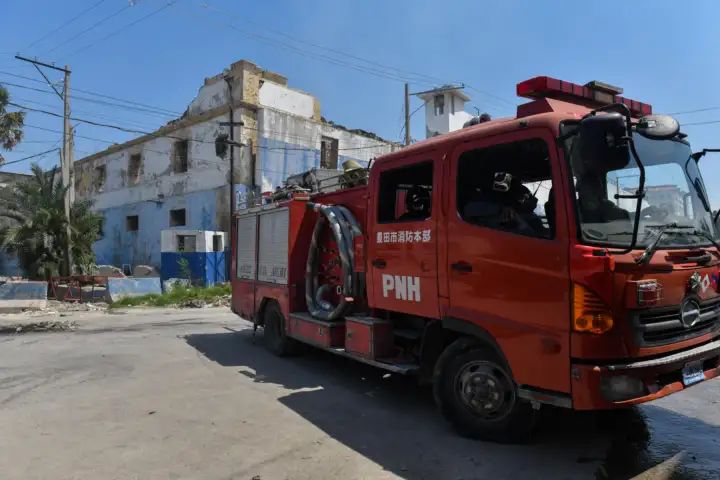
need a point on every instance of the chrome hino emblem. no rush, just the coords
(694, 282)
(689, 312)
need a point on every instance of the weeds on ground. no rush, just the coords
(177, 296)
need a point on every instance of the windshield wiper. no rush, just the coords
(647, 255)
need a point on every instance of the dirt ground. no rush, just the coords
(186, 394)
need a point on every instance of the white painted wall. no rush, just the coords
(448, 121)
(280, 97)
(209, 97)
(203, 240)
(158, 181)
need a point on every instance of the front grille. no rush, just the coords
(660, 326)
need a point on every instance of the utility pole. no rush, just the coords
(66, 164)
(407, 114)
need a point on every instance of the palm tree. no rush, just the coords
(11, 124)
(36, 230)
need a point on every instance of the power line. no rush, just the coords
(68, 22)
(165, 111)
(123, 28)
(91, 27)
(695, 111)
(30, 157)
(384, 71)
(157, 135)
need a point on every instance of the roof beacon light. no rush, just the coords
(592, 94)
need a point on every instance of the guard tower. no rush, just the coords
(444, 109)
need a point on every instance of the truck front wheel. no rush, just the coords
(274, 335)
(476, 393)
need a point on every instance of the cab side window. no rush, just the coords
(406, 194)
(508, 187)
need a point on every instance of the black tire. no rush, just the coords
(474, 388)
(274, 332)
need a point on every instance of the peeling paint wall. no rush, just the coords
(281, 141)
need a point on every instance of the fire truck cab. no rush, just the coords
(566, 256)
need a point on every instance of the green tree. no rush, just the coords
(11, 124)
(36, 227)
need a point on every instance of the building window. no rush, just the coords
(134, 168)
(217, 243)
(132, 223)
(439, 104)
(180, 156)
(186, 243)
(177, 217)
(406, 194)
(100, 177)
(329, 153)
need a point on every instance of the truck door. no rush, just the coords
(507, 252)
(402, 249)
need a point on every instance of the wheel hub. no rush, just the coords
(485, 389)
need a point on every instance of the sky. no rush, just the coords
(354, 56)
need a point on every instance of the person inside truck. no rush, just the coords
(593, 204)
(417, 204)
(506, 205)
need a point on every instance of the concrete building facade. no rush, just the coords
(444, 110)
(173, 179)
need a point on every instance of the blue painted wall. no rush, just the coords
(8, 265)
(280, 159)
(119, 246)
(206, 268)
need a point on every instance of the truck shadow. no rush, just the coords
(392, 421)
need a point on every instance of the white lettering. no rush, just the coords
(388, 284)
(400, 289)
(379, 237)
(405, 287)
(413, 289)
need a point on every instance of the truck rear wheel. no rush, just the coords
(476, 393)
(274, 335)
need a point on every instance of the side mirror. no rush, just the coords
(658, 127)
(603, 142)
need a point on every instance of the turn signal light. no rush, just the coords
(590, 314)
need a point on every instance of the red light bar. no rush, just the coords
(548, 87)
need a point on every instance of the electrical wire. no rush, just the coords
(28, 158)
(122, 29)
(65, 24)
(156, 135)
(91, 27)
(164, 111)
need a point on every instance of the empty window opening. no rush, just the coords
(186, 243)
(329, 153)
(406, 194)
(134, 168)
(508, 187)
(439, 101)
(180, 156)
(100, 177)
(218, 243)
(132, 223)
(177, 217)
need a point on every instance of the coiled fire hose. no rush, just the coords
(344, 228)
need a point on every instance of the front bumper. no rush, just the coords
(660, 376)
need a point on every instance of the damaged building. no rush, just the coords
(173, 179)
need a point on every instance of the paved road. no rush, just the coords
(165, 394)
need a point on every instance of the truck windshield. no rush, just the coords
(674, 195)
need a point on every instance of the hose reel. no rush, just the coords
(344, 228)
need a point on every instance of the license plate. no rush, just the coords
(693, 373)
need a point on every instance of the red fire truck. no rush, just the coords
(566, 256)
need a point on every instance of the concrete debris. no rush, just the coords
(109, 270)
(50, 325)
(145, 271)
(171, 283)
